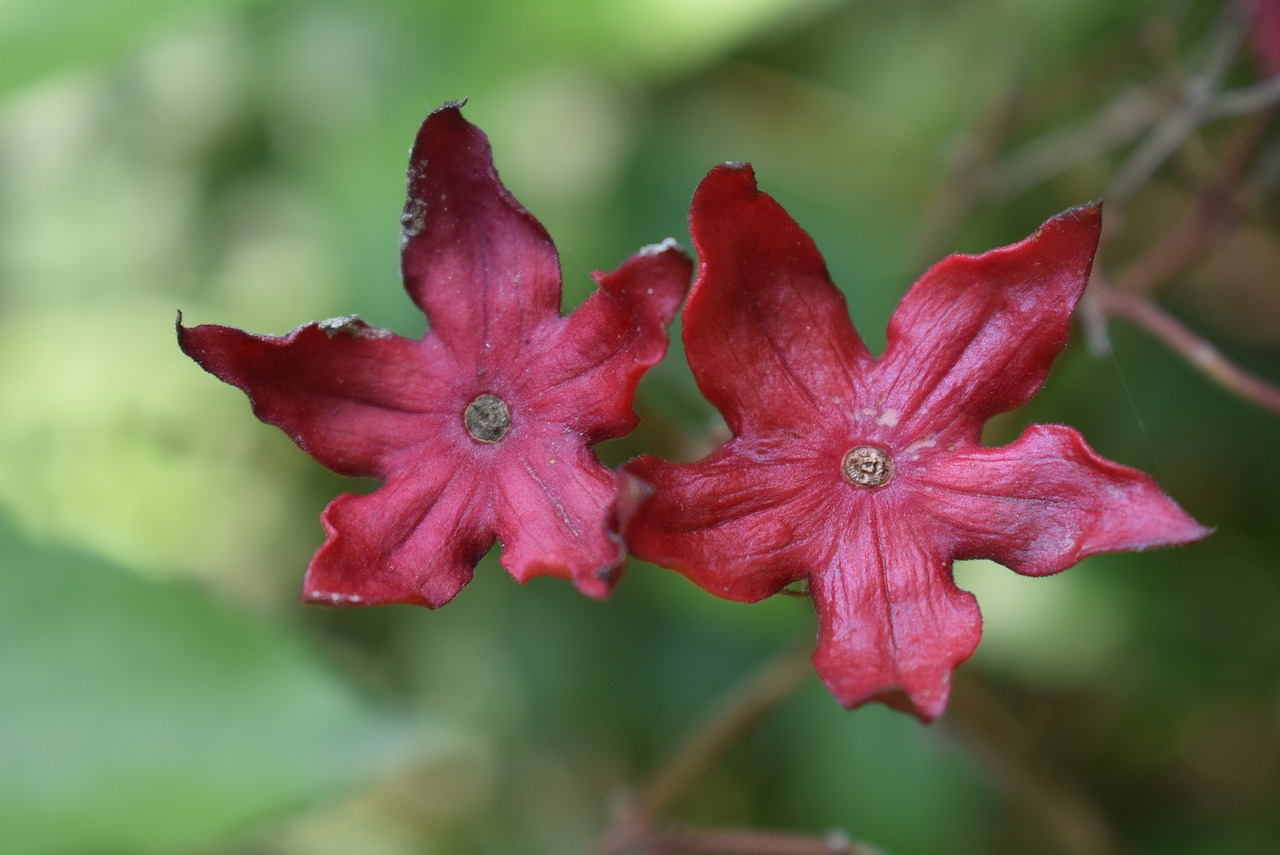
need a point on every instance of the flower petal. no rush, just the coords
(1047, 500)
(892, 625)
(766, 333)
(348, 394)
(482, 268)
(743, 523)
(591, 369)
(414, 541)
(556, 516)
(976, 335)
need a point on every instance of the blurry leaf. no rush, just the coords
(1031, 628)
(43, 37)
(139, 717)
(880, 776)
(132, 451)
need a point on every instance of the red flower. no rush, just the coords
(865, 475)
(482, 428)
(1264, 15)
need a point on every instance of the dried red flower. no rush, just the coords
(482, 428)
(866, 476)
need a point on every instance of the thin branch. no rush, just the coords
(1206, 222)
(632, 831)
(1072, 823)
(970, 165)
(1185, 342)
(1117, 124)
(1249, 99)
(732, 720)
(1198, 98)
(749, 842)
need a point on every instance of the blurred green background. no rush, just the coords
(161, 690)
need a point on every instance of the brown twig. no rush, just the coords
(1071, 821)
(1199, 95)
(633, 831)
(735, 717)
(1209, 219)
(1185, 342)
(1118, 123)
(732, 841)
(1246, 100)
(969, 166)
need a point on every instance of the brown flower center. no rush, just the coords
(487, 419)
(867, 466)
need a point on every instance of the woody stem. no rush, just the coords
(733, 841)
(1181, 339)
(736, 716)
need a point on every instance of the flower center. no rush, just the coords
(867, 466)
(487, 419)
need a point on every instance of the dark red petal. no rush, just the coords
(414, 541)
(556, 517)
(348, 394)
(892, 625)
(976, 335)
(481, 267)
(767, 335)
(591, 369)
(743, 523)
(1046, 501)
(1265, 32)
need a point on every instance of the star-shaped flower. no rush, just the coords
(482, 428)
(866, 476)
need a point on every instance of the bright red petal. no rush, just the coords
(976, 335)
(555, 516)
(892, 625)
(589, 374)
(1046, 501)
(743, 523)
(766, 333)
(415, 541)
(348, 394)
(480, 266)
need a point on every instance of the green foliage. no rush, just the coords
(142, 716)
(161, 690)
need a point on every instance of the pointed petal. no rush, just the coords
(743, 523)
(767, 335)
(592, 368)
(415, 540)
(480, 266)
(348, 394)
(976, 335)
(557, 517)
(892, 625)
(1047, 500)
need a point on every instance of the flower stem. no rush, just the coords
(1182, 340)
(736, 716)
(1210, 219)
(735, 841)
(633, 831)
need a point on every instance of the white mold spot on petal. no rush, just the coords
(412, 219)
(889, 418)
(335, 598)
(928, 442)
(351, 325)
(659, 248)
